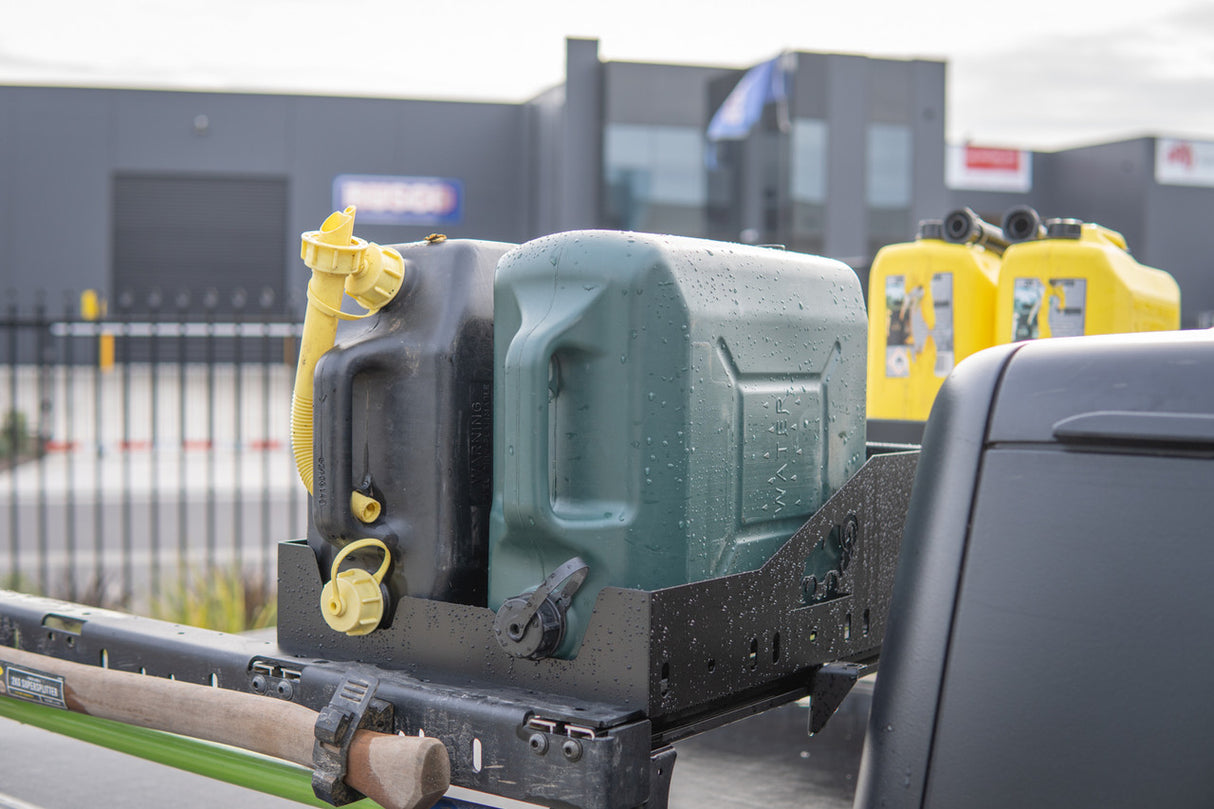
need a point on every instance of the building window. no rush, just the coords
(808, 185)
(889, 166)
(655, 178)
(809, 160)
(888, 184)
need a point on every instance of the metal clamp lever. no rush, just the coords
(533, 626)
(353, 706)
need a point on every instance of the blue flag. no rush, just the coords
(762, 84)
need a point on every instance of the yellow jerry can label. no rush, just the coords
(942, 333)
(912, 317)
(1063, 301)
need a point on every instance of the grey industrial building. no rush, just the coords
(189, 199)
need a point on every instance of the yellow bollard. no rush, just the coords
(105, 351)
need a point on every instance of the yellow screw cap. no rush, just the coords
(352, 601)
(377, 279)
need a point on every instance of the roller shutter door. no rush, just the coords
(218, 240)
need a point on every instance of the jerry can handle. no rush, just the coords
(526, 490)
(333, 449)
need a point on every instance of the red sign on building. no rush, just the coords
(985, 168)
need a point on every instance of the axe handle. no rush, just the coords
(398, 772)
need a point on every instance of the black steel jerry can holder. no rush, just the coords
(593, 732)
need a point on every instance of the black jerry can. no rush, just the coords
(403, 413)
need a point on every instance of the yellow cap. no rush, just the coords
(377, 279)
(352, 601)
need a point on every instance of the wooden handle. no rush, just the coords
(397, 772)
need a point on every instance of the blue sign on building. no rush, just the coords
(388, 200)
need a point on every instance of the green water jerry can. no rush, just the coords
(666, 409)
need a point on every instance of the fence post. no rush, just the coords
(126, 300)
(13, 427)
(42, 369)
(183, 303)
(154, 301)
(238, 303)
(98, 584)
(210, 301)
(69, 443)
(266, 300)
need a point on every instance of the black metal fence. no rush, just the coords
(145, 449)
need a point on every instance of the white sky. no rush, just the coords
(1021, 73)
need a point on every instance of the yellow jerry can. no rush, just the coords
(930, 304)
(1078, 280)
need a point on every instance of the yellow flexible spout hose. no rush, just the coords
(319, 333)
(301, 437)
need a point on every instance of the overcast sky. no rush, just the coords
(1023, 73)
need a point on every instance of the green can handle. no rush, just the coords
(526, 490)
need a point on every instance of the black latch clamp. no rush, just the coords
(353, 706)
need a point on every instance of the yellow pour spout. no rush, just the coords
(340, 262)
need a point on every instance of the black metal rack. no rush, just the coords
(592, 732)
